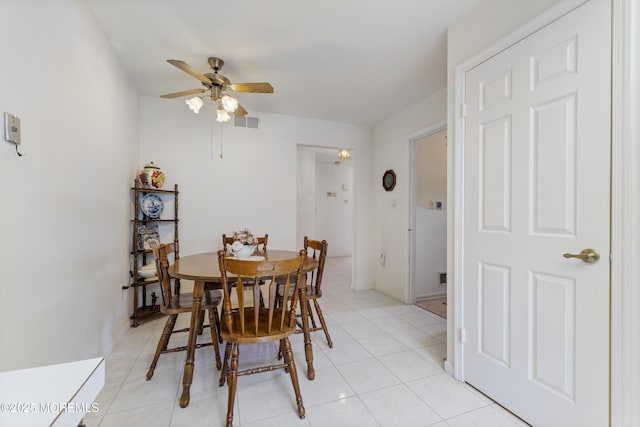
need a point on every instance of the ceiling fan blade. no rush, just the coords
(187, 69)
(251, 87)
(240, 111)
(183, 93)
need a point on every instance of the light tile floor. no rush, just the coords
(385, 369)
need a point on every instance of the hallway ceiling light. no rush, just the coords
(344, 154)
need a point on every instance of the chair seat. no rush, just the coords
(184, 302)
(250, 334)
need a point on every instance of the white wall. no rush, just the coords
(392, 147)
(254, 184)
(65, 203)
(334, 214)
(306, 194)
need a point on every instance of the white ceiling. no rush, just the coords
(355, 61)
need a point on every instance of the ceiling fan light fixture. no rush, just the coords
(344, 154)
(222, 115)
(195, 104)
(229, 103)
(214, 84)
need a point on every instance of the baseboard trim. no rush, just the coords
(448, 368)
(431, 296)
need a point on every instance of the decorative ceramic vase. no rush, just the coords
(151, 176)
(241, 251)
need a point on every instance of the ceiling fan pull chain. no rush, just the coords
(220, 127)
(211, 135)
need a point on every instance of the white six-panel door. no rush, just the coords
(537, 186)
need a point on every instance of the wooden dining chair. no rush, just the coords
(250, 323)
(173, 305)
(261, 246)
(226, 240)
(262, 242)
(317, 250)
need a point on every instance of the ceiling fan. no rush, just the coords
(216, 83)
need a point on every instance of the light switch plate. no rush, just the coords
(11, 128)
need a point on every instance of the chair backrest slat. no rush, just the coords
(287, 288)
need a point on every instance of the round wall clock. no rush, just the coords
(389, 180)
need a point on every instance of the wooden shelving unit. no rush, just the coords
(146, 305)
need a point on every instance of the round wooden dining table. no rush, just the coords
(203, 269)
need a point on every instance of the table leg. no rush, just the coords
(308, 349)
(198, 292)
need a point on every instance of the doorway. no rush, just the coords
(325, 207)
(428, 259)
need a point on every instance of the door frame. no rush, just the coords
(413, 180)
(625, 204)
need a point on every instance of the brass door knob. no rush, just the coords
(590, 256)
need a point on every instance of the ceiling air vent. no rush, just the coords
(247, 122)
